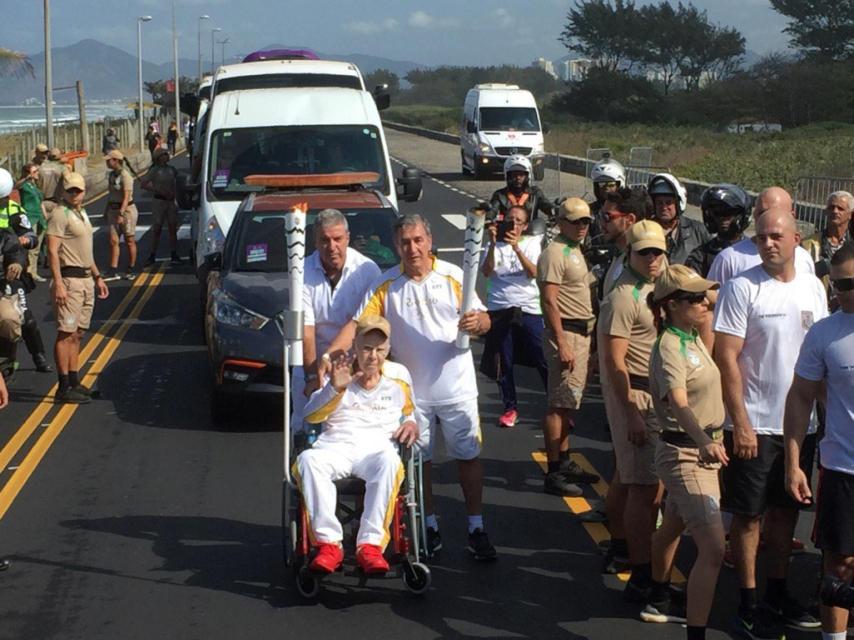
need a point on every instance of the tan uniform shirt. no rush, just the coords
(562, 263)
(681, 361)
(50, 182)
(119, 183)
(625, 314)
(162, 180)
(75, 231)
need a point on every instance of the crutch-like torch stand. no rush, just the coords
(292, 332)
(475, 219)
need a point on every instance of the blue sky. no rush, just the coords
(459, 32)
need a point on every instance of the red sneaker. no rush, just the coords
(370, 558)
(508, 419)
(329, 557)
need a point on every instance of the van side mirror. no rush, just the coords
(546, 127)
(409, 187)
(190, 104)
(187, 193)
(382, 97)
(213, 261)
(471, 127)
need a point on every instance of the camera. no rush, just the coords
(503, 227)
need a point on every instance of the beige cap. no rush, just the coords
(115, 154)
(74, 181)
(574, 209)
(373, 323)
(678, 277)
(41, 147)
(646, 234)
(159, 153)
(55, 153)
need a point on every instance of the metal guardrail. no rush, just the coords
(639, 159)
(810, 197)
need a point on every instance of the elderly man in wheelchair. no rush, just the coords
(365, 408)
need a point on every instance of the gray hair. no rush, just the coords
(842, 194)
(330, 218)
(412, 220)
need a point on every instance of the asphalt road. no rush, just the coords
(134, 517)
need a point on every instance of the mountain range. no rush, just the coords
(110, 73)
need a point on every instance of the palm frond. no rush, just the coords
(14, 63)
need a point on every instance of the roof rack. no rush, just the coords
(352, 180)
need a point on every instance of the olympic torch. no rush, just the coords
(475, 219)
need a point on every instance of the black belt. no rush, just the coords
(682, 439)
(118, 205)
(581, 327)
(641, 383)
(74, 272)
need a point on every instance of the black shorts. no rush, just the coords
(834, 519)
(748, 487)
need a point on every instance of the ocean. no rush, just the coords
(23, 118)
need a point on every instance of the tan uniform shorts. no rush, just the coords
(127, 228)
(10, 318)
(693, 487)
(566, 386)
(636, 465)
(80, 301)
(164, 212)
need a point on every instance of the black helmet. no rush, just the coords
(725, 198)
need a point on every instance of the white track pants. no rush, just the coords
(380, 468)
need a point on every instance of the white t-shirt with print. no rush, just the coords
(509, 286)
(743, 255)
(772, 317)
(828, 354)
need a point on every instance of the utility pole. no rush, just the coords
(213, 51)
(177, 73)
(204, 17)
(84, 124)
(48, 76)
(139, 22)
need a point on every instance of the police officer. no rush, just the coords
(16, 280)
(160, 181)
(121, 213)
(75, 276)
(726, 214)
(51, 174)
(519, 192)
(671, 200)
(40, 153)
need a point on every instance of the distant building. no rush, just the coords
(574, 70)
(545, 65)
(757, 127)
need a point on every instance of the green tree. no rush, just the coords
(664, 39)
(611, 96)
(708, 50)
(13, 63)
(825, 27)
(383, 76)
(606, 32)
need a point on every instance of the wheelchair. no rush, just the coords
(408, 530)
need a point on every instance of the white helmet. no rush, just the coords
(608, 170)
(6, 183)
(666, 184)
(517, 163)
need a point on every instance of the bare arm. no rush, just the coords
(342, 342)
(727, 349)
(615, 350)
(59, 294)
(309, 360)
(799, 403)
(710, 451)
(489, 263)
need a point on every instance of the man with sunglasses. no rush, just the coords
(564, 281)
(626, 334)
(761, 318)
(827, 360)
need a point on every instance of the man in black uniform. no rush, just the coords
(519, 192)
(726, 214)
(671, 200)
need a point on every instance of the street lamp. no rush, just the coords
(223, 42)
(213, 60)
(204, 17)
(139, 22)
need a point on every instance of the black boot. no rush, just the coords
(35, 345)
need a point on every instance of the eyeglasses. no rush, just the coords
(581, 222)
(691, 298)
(610, 216)
(843, 284)
(650, 251)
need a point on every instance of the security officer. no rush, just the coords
(726, 214)
(51, 174)
(121, 213)
(16, 280)
(160, 181)
(671, 200)
(40, 153)
(72, 265)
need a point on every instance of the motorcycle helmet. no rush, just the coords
(608, 170)
(6, 183)
(665, 184)
(517, 163)
(723, 199)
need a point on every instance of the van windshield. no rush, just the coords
(509, 119)
(237, 153)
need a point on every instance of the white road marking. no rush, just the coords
(456, 219)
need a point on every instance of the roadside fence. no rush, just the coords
(810, 196)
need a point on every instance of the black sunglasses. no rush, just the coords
(691, 298)
(650, 251)
(843, 284)
(581, 222)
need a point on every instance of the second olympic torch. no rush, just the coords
(475, 220)
(295, 244)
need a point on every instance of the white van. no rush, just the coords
(286, 117)
(500, 120)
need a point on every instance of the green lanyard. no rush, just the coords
(570, 244)
(641, 281)
(684, 338)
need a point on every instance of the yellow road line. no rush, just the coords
(47, 403)
(28, 465)
(596, 530)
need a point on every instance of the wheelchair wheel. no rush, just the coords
(416, 577)
(307, 585)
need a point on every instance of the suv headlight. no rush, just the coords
(228, 311)
(214, 237)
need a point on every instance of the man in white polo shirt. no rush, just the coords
(827, 359)
(421, 299)
(761, 319)
(337, 277)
